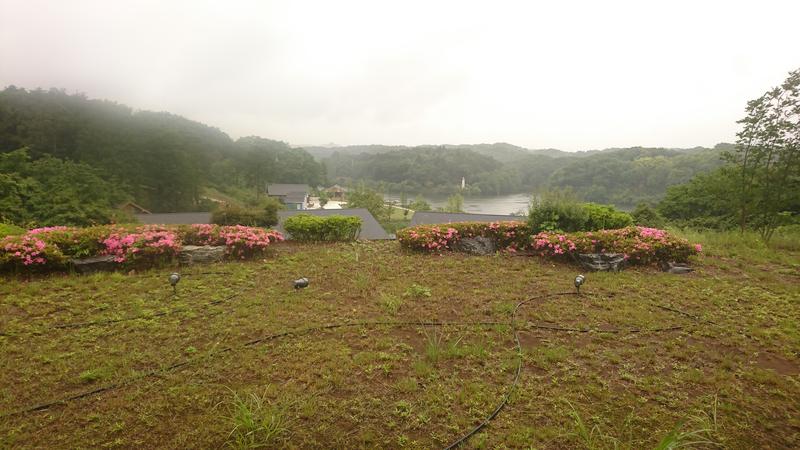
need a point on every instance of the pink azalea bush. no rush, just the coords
(142, 244)
(509, 236)
(53, 247)
(28, 250)
(240, 241)
(639, 245)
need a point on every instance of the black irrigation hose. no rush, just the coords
(517, 373)
(122, 319)
(297, 332)
(302, 331)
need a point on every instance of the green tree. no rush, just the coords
(767, 158)
(646, 216)
(455, 204)
(419, 204)
(50, 191)
(707, 201)
(363, 197)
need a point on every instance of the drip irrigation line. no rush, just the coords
(514, 383)
(186, 362)
(683, 313)
(302, 331)
(94, 323)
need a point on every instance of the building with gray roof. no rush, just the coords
(294, 196)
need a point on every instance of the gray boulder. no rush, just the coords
(602, 261)
(193, 254)
(476, 246)
(671, 267)
(94, 264)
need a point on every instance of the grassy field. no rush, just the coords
(205, 369)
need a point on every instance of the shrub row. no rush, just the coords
(53, 247)
(639, 245)
(305, 227)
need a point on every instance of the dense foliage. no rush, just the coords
(305, 227)
(561, 211)
(51, 248)
(639, 245)
(705, 202)
(266, 216)
(49, 191)
(161, 161)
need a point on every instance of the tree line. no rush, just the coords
(160, 160)
(624, 177)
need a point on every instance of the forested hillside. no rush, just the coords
(160, 160)
(623, 177)
(98, 153)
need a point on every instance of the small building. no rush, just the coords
(133, 208)
(336, 193)
(370, 228)
(294, 196)
(432, 217)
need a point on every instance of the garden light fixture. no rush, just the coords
(579, 280)
(301, 283)
(173, 281)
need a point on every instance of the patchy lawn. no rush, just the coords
(204, 369)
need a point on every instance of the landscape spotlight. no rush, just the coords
(579, 280)
(173, 281)
(301, 283)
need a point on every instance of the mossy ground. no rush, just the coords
(403, 386)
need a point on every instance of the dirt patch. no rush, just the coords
(779, 364)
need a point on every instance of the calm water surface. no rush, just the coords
(496, 204)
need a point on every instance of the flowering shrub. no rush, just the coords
(241, 241)
(244, 242)
(149, 244)
(509, 236)
(53, 247)
(28, 250)
(639, 245)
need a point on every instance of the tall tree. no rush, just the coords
(767, 156)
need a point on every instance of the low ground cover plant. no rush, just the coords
(639, 245)
(305, 227)
(51, 248)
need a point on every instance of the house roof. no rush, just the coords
(336, 188)
(174, 218)
(134, 206)
(370, 228)
(284, 189)
(430, 218)
(295, 197)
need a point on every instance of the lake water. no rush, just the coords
(496, 204)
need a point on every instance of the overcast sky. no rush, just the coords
(568, 75)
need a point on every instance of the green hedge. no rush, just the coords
(305, 227)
